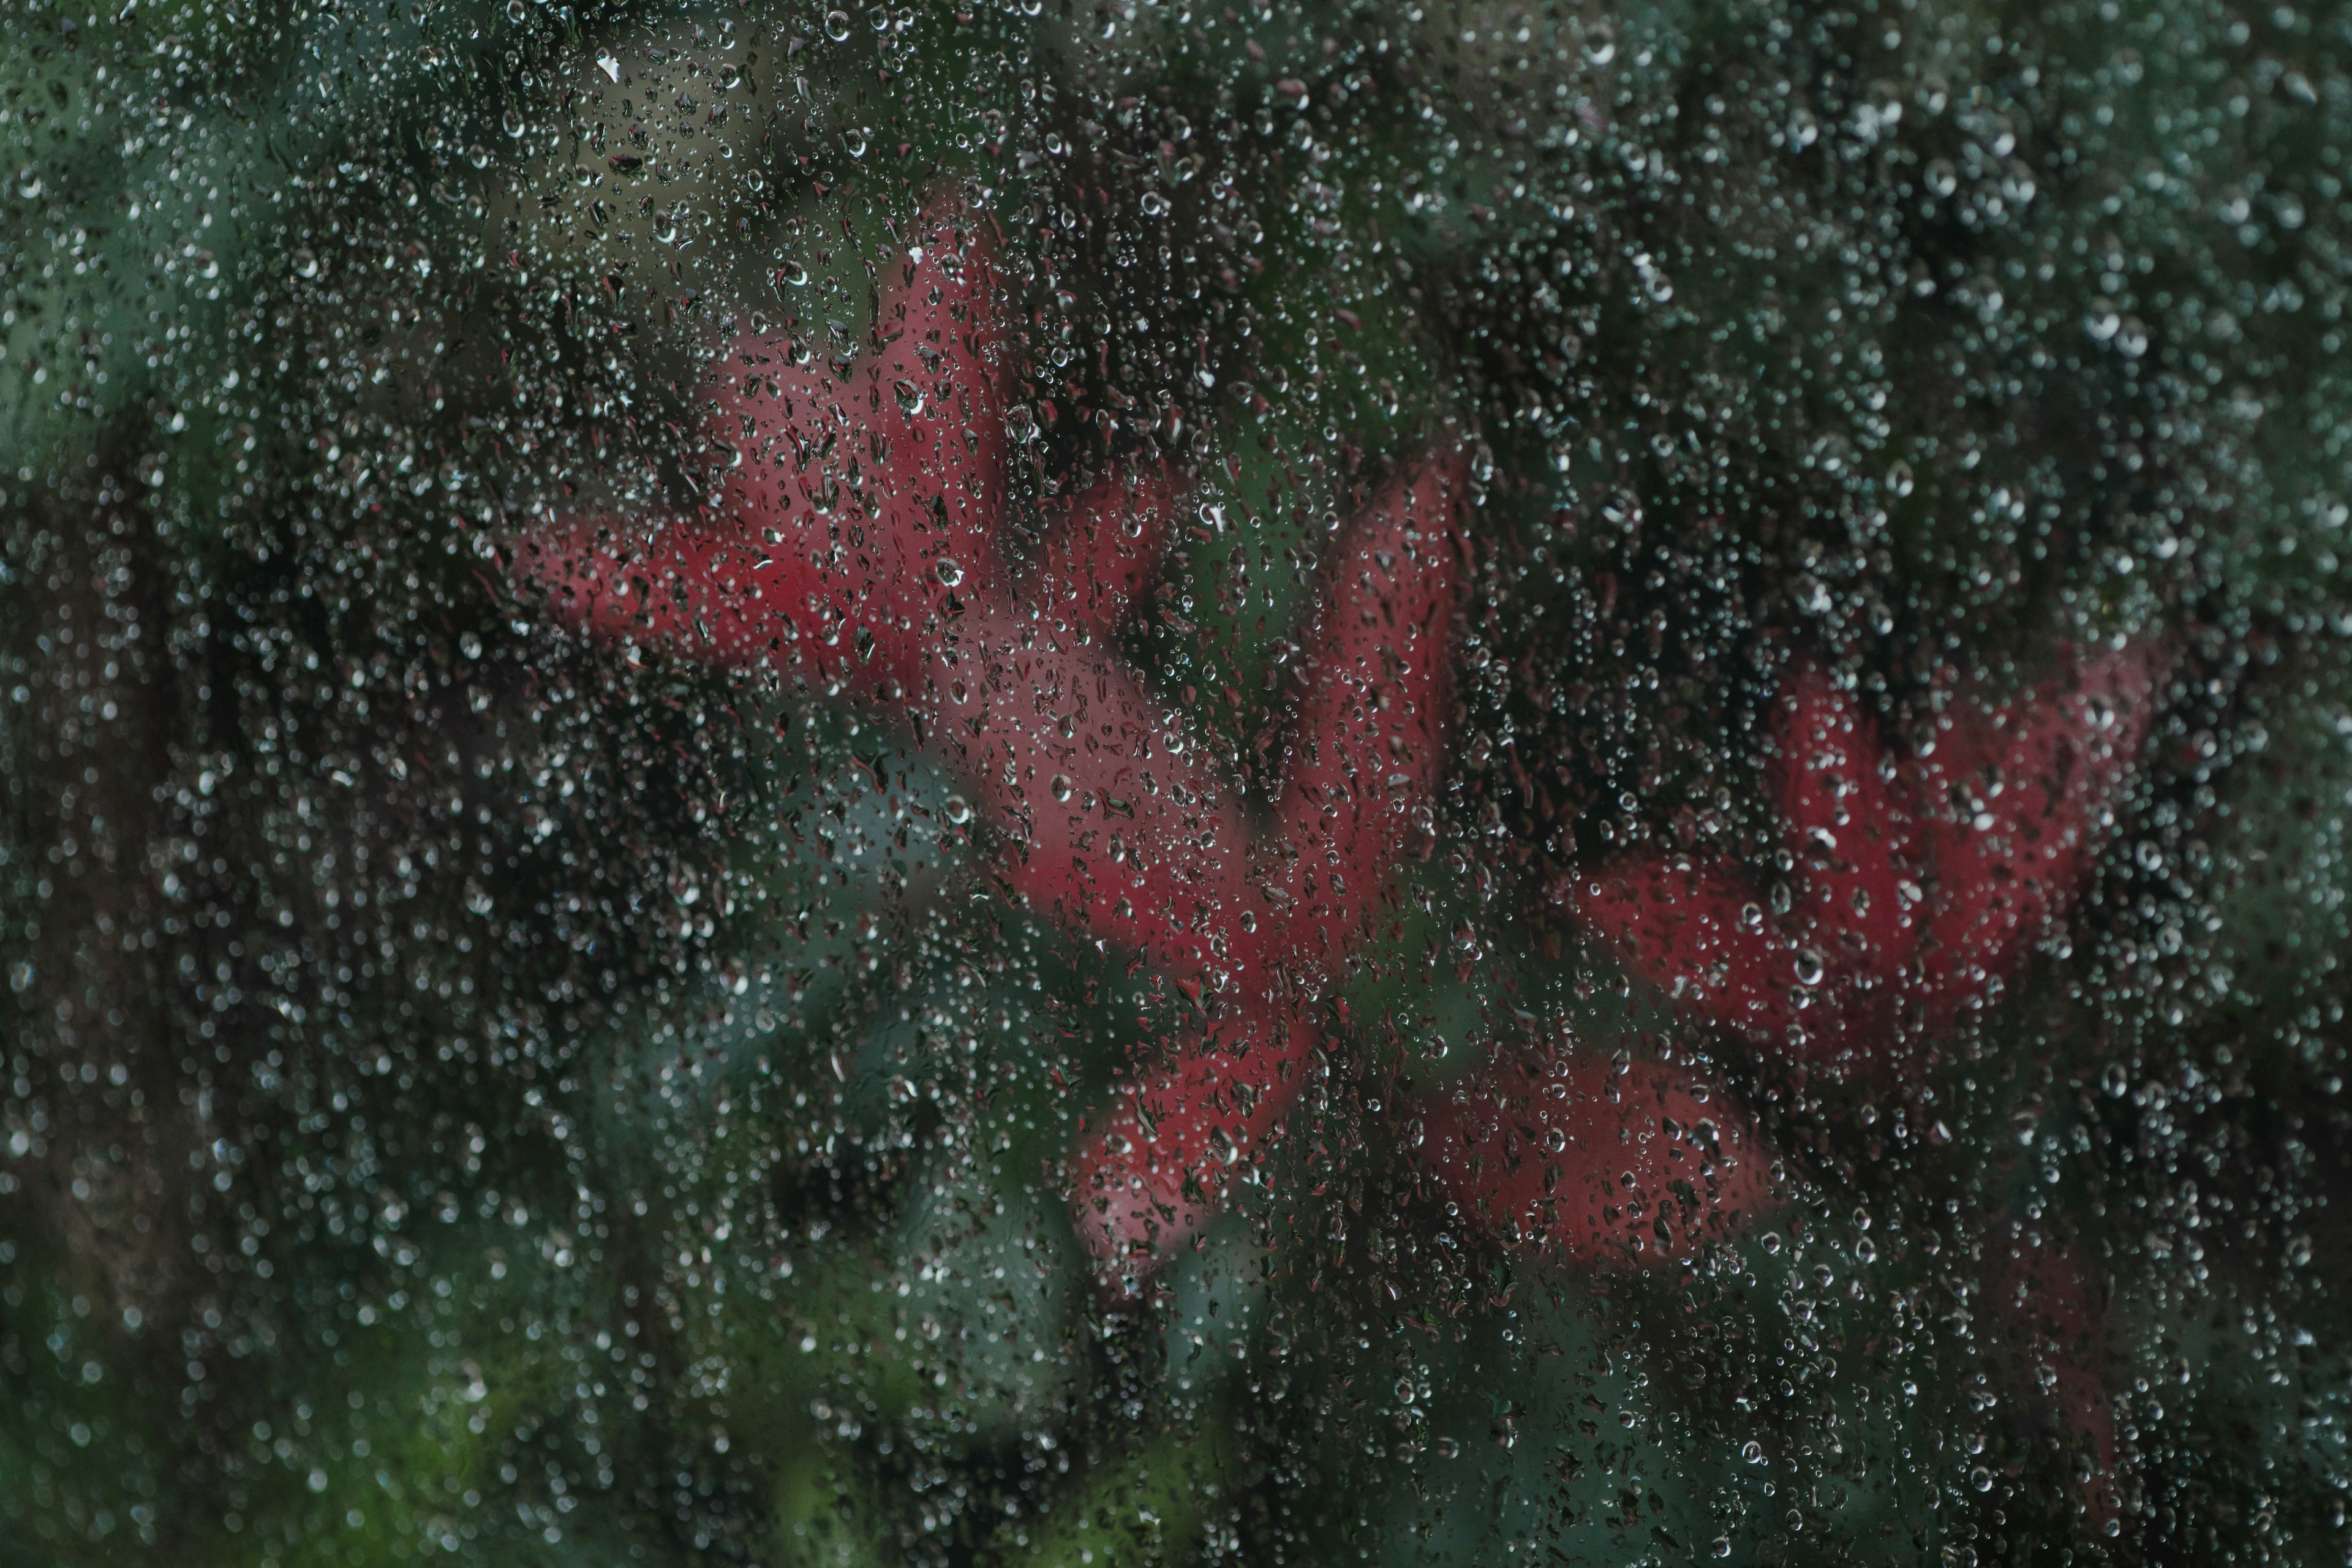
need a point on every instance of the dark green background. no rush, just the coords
(468, 1093)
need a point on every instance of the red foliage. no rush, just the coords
(861, 544)
(1596, 1162)
(1916, 883)
(1915, 886)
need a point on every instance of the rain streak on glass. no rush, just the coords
(1155, 782)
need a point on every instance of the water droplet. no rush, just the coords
(836, 26)
(909, 396)
(959, 810)
(1061, 786)
(950, 573)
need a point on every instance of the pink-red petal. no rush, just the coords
(1587, 1162)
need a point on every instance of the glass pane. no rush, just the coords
(1151, 781)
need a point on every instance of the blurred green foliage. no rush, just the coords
(471, 1094)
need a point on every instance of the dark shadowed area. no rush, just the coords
(1153, 783)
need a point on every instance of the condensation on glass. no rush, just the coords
(1159, 782)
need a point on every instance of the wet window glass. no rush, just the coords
(1120, 782)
